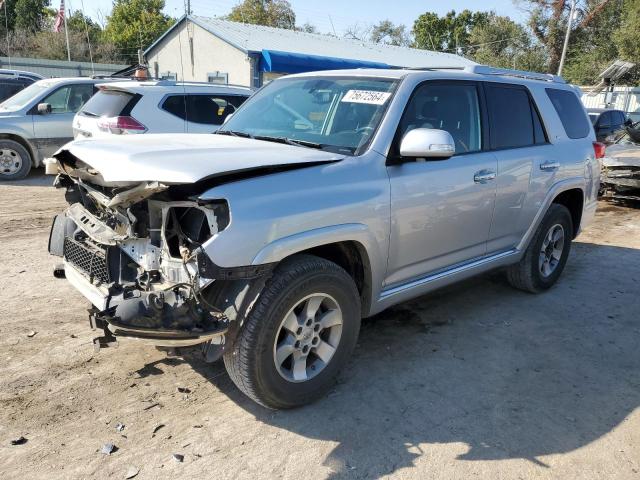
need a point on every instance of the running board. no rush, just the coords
(439, 279)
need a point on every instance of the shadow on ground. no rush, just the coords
(36, 178)
(509, 374)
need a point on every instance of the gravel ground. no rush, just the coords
(478, 380)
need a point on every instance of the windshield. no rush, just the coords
(331, 113)
(23, 97)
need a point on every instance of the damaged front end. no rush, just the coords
(620, 172)
(138, 253)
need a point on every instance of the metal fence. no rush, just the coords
(59, 68)
(626, 99)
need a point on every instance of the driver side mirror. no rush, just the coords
(427, 143)
(44, 108)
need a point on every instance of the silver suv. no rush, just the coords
(326, 198)
(36, 122)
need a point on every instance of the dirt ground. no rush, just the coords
(478, 381)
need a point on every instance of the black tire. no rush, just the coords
(25, 160)
(526, 275)
(251, 363)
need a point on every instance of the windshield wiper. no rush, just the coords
(234, 133)
(290, 141)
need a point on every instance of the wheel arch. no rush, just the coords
(573, 199)
(350, 246)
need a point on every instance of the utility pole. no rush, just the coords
(66, 31)
(566, 37)
(188, 7)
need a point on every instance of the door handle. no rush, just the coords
(483, 176)
(547, 166)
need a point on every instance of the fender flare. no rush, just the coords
(554, 191)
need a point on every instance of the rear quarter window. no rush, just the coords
(109, 103)
(569, 109)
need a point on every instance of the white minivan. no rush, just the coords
(157, 106)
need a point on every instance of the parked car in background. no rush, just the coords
(37, 121)
(620, 174)
(157, 106)
(12, 81)
(328, 197)
(607, 123)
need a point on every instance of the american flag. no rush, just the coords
(59, 18)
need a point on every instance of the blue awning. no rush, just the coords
(286, 62)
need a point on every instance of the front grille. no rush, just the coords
(89, 258)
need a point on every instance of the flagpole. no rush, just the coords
(66, 32)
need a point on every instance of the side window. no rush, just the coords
(69, 99)
(571, 113)
(204, 109)
(453, 108)
(605, 120)
(511, 118)
(619, 119)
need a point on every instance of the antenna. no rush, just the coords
(86, 29)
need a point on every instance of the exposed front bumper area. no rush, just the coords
(148, 317)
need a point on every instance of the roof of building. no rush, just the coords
(256, 38)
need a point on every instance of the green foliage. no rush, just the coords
(271, 13)
(389, 33)
(135, 24)
(500, 42)
(447, 33)
(31, 15)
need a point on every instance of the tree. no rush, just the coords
(626, 37)
(501, 42)
(271, 13)
(448, 33)
(307, 28)
(548, 21)
(135, 24)
(31, 15)
(389, 33)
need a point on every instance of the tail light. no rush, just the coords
(121, 125)
(598, 149)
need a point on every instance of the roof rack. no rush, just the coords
(188, 82)
(506, 72)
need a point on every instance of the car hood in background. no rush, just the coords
(622, 155)
(185, 158)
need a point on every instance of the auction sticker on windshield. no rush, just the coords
(366, 96)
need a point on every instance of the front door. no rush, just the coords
(52, 130)
(441, 209)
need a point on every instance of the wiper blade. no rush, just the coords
(289, 141)
(234, 133)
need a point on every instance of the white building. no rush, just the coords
(206, 49)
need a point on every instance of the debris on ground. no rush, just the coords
(156, 428)
(119, 427)
(19, 441)
(149, 407)
(132, 472)
(32, 333)
(184, 390)
(178, 457)
(108, 448)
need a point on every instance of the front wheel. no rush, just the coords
(299, 334)
(547, 253)
(15, 161)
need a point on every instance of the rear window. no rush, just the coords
(8, 88)
(570, 111)
(109, 103)
(204, 109)
(513, 119)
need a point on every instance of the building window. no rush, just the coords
(169, 76)
(218, 77)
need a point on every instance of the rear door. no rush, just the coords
(54, 129)
(520, 144)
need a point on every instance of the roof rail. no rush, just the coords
(506, 72)
(210, 84)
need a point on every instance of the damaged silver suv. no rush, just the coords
(326, 198)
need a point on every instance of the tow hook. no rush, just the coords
(106, 340)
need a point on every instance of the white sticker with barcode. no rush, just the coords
(366, 96)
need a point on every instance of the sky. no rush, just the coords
(326, 15)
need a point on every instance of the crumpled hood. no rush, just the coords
(185, 158)
(622, 155)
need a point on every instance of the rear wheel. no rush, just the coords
(547, 254)
(299, 334)
(15, 161)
